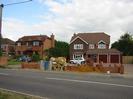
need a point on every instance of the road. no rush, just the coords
(59, 85)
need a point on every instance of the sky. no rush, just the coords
(63, 18)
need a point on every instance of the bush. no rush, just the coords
(35, 57)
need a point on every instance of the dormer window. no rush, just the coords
(91, 46)
(101, 45)
(36, 43)
(78, 46)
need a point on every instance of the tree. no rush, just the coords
(0, 53)
(35, 57)
(61, 49)
(124, 44)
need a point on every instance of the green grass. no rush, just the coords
(13, 62)
(11, 95)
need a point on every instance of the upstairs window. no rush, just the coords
(101, 45)
(78, 46)
(78, 56)
(36, 43)
(91, 46)
(18, 44)
(27, 44)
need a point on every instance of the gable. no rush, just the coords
(92, 38)
(101, 41)
(78, 38)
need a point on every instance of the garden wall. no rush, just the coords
(3, 61)
(30, 65)
(102, 69)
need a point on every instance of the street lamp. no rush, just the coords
(1, 8)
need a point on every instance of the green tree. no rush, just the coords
(124, 44)
(35, 57)
(61, 49)
(0, 52)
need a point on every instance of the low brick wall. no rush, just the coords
(30, 65)
(3, 61)
(84, 68)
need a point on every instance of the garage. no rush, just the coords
(114, 58)
(103, 58)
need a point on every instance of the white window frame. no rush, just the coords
(27, 44)
(77, 56)
(18, 44)
(91, 46)
(101, 46)
(35, 43)
(78, 46)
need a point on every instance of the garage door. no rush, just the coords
(103, 58)
(114, 58)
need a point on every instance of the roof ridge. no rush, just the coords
(93, 37)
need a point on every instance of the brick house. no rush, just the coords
(94, 46)
(37, 43)
(8, 46)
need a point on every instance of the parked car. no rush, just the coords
(24, 59)
(77, 61)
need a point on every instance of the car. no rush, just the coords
(24, 59)
(77, 61)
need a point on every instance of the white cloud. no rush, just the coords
(111, 16)
(14, 29)
(68, 16)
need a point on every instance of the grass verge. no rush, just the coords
(12, 95)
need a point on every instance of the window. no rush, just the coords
(78, 46)
(27, 44)
(36, 43)
(91, 46)
(77, 56)
(101, 45)
(19, 44)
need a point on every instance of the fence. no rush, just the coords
(127, 59)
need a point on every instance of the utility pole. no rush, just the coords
(1, 8)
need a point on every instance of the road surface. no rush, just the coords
(54, 85)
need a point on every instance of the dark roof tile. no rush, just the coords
(34, 37)
(93, 37)
(7, 41)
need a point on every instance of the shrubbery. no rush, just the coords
(35, 57)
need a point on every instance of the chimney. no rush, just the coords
(52, 41)
(74, 34)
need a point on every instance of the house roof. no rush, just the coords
(93, 38)
(7, 41)
(101, 51)
(33, 38)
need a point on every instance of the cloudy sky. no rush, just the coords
(65, 17)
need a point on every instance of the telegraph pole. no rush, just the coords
(1, 8)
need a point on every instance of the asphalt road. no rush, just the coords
(54, 85)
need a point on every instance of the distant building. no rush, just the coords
(94, 46)
(8, 46)
(36, 43)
